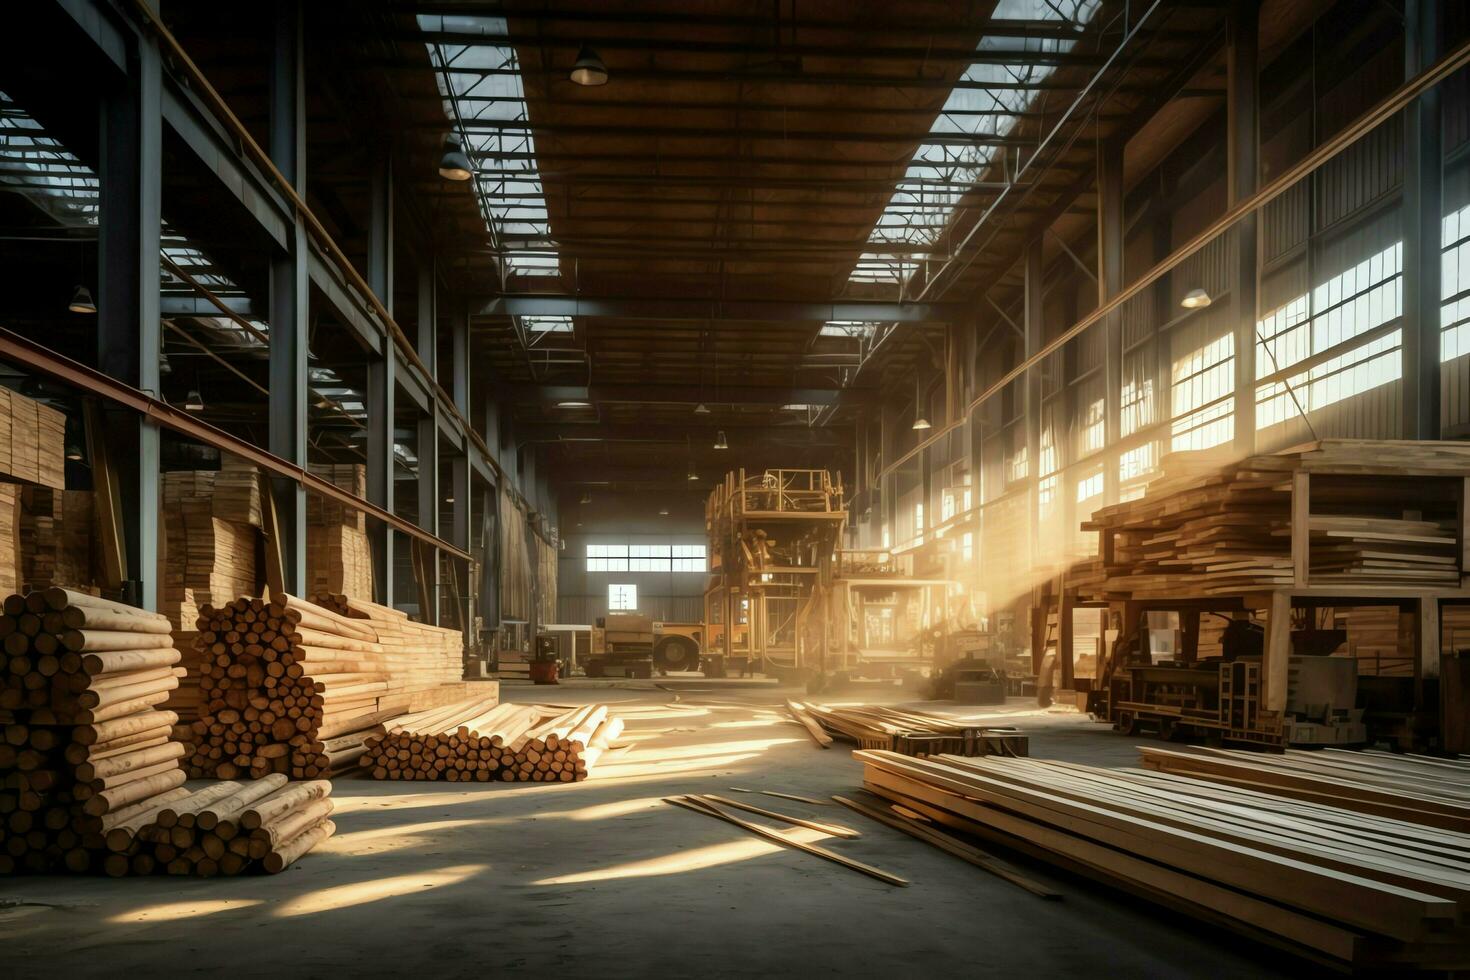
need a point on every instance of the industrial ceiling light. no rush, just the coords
(693, 476)
(720, 442)
(74, 452)
(920, 424)
(663, 512)
(701, 409)
(586, 496)
(455, 163)
(193, 402)
(1195, 299)
(589, 69)
(573, 404)
(81, 301)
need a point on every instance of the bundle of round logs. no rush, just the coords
(483, 742)
(292, 687)
(86, 746)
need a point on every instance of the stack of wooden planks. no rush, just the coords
(287, 686)
(1320, 881)
(10, 552)
(210, 522)
(56, 537)
(874, 726)
(85, 743)
(32, 441)
(225, 829)
(482, 741)
(1382, 513)
(338, 555)
(1415, 789)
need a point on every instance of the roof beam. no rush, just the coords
(632, 308)
(684, 438)
(644, 394)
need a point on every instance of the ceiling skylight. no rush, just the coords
(944, 168)
(484, 98)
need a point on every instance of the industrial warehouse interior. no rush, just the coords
(808, 488)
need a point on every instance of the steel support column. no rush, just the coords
(289, 296)
(461, 475)
(382, 386)
(1109, 283)
(428, 440)
(129, 342)
(1422, 219)
(1243, 172)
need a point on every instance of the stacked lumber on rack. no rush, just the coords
(32, 441)
(285, 685)
(1325, 883)
(874, 726)
(210, 521)
(85, 743)
(10, 550)
(1211, 526)
(338, 556)
(478, 740)
(1415, 789)
(225, 829)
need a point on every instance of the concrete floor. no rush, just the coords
(602, 879)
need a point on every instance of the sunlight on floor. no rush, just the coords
(173, 911)
(375, 890)
(691, 859)
(412, 831)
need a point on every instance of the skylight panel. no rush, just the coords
(481, 83)
(963, 141)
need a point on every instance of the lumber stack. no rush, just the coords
(1416, 789)
(210, 522)
(285, 685)
(10, 550)
(227, 828)
(32, 441)
(338, 555)
(85, 742)
(1383, 513)
(874, 726)
(478, 740)
(1319, 881)
(56, 537)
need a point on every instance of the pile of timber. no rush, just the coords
(481, 741)
(1416, 789)
(211, 520)
(10, 551)
(1325, 883)
(225, 829)
(56, 538)
(874, 726)
(338, 555)
(1210, 525)
(289, 686)
(85, 743)
(32, 441)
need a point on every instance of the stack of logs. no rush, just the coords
(288, 686)
(223, 830)
(86, 747)
(480, 741)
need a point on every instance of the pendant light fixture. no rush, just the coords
(1196, 299)
(588, 69)
(701, 409)
(193, 402)
(921, 419)
(720, 441)
(81, 301)
(455, 163)
(586, 496)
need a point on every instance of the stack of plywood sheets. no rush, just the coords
(32, 441)
(1324, 882)
(338, 556)
(1383, 514)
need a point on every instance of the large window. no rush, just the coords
(607, 558)
(622, 598)
(645, 558)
